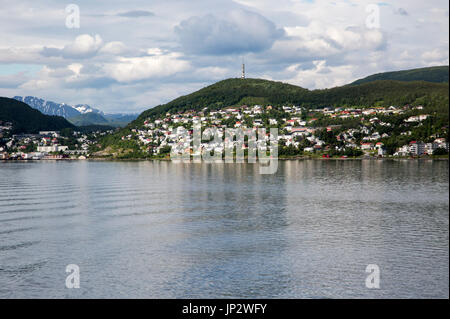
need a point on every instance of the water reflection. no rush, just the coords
(233, 232)
(165, 230)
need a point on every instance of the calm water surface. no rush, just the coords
(165, 230)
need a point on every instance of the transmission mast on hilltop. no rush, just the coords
(243, 70)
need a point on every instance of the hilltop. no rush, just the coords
(436, 74)
(345, 120)
(235, 92)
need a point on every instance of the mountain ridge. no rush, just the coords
(436, 74)
(79, 114)
(53, 108)
(380, 82)
(235, 91)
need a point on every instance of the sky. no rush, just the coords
(128, 56)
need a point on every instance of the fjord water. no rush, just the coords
(165, 230)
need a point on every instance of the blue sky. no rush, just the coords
(127, 56)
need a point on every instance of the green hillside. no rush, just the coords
(90, 118)
(232, 92)
(96, 119)
(381, 91)
(28, 120)
(437, 74)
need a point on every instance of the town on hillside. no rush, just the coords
(343, 132)
(327, 132)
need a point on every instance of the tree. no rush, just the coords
(165, 150)
(440, 151)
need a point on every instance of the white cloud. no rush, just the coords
(13, 80)
(107, 62)
(136, 14)
(319, 76)
(75, 68)
(154, 51)
(315, 41)
(84, 46)
(435, 57)
(237, 31)
(113, 48)
(48, 78)
(140, 68)
(20, 54)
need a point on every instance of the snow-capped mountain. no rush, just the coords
(49, 107)
(80, 114)
(84, 108)
(60, 109)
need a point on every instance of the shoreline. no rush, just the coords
(99, 159)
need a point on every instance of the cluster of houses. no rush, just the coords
(418, 148)
(358, 112)
(5, 128)
(164, 132)
(296, 124)
(45, 145)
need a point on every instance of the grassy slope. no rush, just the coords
(88, 119)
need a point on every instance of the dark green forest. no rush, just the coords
(28, 120)
(437, 74)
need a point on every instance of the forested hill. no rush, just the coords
(436, 74)
(232, 92)
(28, 120)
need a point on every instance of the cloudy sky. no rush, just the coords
(127, 56)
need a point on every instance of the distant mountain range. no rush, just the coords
(436, 74)
(79, 115)
(28, 120)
